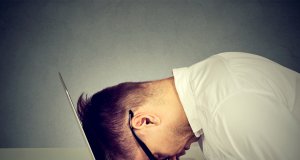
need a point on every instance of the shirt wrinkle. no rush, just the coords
(227, 68)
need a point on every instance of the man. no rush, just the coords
(236, 105)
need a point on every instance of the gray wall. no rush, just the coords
(95, 44)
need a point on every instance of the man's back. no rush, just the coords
(247, 105)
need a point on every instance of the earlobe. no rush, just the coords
(143, 120)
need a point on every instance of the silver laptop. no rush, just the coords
(88, 153)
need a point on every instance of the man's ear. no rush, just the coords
(143, 120)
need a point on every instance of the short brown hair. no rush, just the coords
(104, 118)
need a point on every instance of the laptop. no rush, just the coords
(88, 154)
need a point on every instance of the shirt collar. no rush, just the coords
(186, 96)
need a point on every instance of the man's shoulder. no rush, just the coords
(228, 62)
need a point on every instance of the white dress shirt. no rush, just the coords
(247, 107)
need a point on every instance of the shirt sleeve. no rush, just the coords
(257, 126)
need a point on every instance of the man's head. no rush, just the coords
(159, 120)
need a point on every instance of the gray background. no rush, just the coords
(96, 44)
